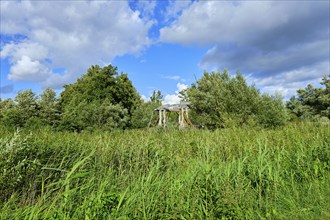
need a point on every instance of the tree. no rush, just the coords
(325, 97)
(100, 88)
(18, 113)
(311, 103)
(271, 111)
(94, 115)
(49, 111)
(219, 100)
(156, 97)
(26, 107)
(7, 108)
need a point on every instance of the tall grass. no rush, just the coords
(237, 173)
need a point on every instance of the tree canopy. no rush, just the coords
(104, 99)
(219, 100)
(99, 98)
(311, 103)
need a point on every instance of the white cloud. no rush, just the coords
(174, 98)
(171, 99)
(27, 61)
(72, 34)
(181, 87)
(31, 49)
(144, 98)
(26, 69)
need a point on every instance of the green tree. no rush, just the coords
(8, 117)
(100, 88)
(325, 97)
(156, 97)
(49, 111)
(26, 107)
(311, 103)
(94, 115)
(219, 100)
(20, 112)
(271, 111)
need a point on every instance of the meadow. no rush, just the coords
(234, 173)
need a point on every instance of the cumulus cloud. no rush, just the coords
(15, 51)
(26, 69)
(27, 61)
(265, 39)
(174, 98)
(69, 34)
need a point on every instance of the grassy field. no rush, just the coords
(238, 173)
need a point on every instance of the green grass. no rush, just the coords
(237, 173)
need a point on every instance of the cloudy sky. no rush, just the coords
(166, 45)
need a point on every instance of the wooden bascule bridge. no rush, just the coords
(180, 109)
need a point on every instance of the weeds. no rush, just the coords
(236, 173)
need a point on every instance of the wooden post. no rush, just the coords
(160, 118)
(182, 118)
(164, 116)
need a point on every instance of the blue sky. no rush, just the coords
(277, 45)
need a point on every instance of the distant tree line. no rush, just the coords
(104, 99)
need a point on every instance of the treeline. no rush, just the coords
(104, 99)
(100, 99)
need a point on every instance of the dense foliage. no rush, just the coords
(144, 115)
(219, 100)
(101, 98)
(312, 103)
(235, 173)
(28, 110)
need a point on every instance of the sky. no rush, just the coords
(279, 46)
